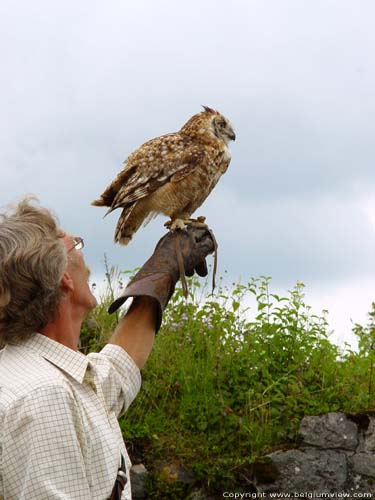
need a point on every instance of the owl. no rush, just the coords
(172, 174)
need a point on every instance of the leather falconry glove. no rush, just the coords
(159, 275)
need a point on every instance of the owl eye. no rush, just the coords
(222, 123)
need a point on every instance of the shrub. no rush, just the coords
(226, 383)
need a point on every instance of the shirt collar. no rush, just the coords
(74, 363)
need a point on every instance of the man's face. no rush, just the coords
(79, 273)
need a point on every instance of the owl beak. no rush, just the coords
(232, 136)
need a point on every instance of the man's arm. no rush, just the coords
(136, 331)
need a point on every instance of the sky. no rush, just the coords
(83, 84)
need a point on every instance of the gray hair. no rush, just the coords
(32, 263)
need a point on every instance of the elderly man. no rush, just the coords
(59, 435)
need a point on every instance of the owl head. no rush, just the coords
(210, 122)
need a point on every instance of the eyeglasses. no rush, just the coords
(78, 243)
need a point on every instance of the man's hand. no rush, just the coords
(158, 277)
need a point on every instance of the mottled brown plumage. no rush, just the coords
(172, 174)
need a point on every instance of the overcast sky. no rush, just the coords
(83, 84)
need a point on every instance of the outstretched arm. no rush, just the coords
(136, 331)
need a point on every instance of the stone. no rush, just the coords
(369, 437)
(335, 455)
(174, 472)
(315, 470)
(330, 431)
(363, 464)
(138, 476)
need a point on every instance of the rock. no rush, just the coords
(333, 430)
(173, 473)
(336, 454)
(138, 476)
(363, 464)
(308, 470)
(369, 437)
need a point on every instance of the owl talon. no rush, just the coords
(182, 224)
(175, 224)
(199, 222)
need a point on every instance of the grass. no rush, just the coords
(221, 390)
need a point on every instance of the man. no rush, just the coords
(59, 435)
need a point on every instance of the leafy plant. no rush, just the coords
(227, 383)
(361, 363)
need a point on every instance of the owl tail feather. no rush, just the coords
(102, 203)
(124, 241)
(98, 203)
(127, 225)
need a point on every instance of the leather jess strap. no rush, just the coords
(121, 480)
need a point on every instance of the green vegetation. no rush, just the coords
(225, 384)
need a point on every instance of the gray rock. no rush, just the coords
(363, 464)
(312, 470)
(361, 484)
(138, 476)
(330, 431)
(369, 437)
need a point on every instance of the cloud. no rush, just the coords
(83, 85)
(319, 240)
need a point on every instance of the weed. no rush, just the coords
(225, 384)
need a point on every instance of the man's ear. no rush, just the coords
(66, 283)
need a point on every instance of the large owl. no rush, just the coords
(172, 174)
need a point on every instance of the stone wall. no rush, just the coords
(336, 455)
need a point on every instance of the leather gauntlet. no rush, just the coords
(158, 276)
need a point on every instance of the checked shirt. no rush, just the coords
(59, 434)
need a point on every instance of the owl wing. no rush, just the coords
(166, 158)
